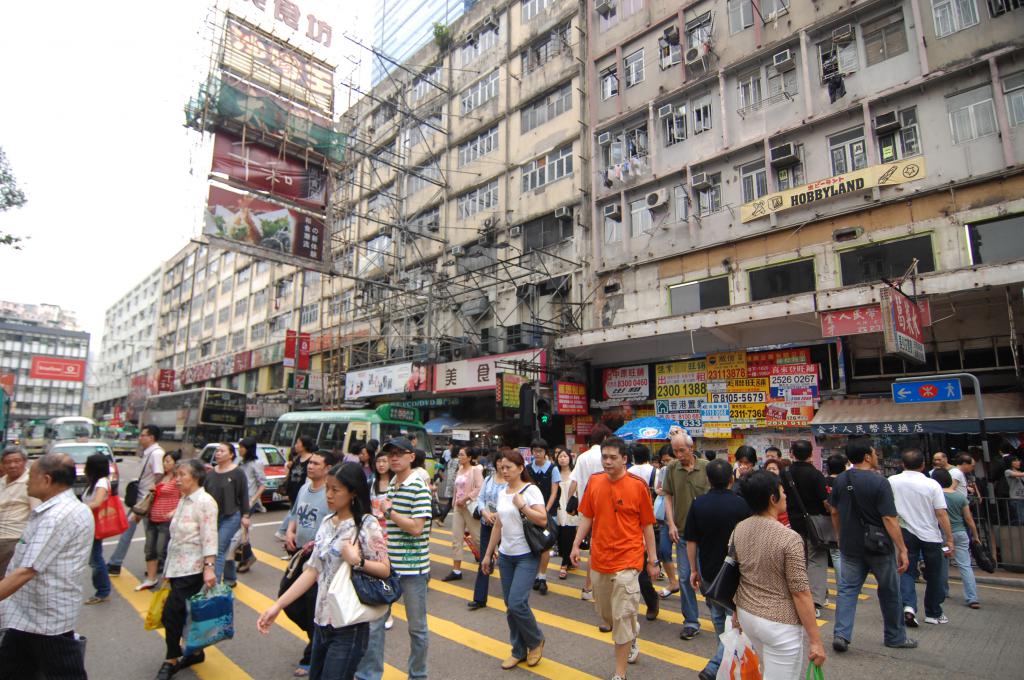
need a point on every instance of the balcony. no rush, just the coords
(783, 96)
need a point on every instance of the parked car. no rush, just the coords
(273, 467)
(80, 452)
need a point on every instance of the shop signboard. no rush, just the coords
(725, 365)
(901, 326)
(667, 406)
(507, 387)
(689, 420)
(790, 377)
(785, 414)
(57, 368)
(680, 380)
(739, 397)
(747, 415)
(474, 375)
(571, 398)
(626, 382)
(290, 338)
(716, 412)
(898, 427)
(717, 430)
(860, 320)
(165, 381)
(379, 381)
(761, 364)
(265, 169)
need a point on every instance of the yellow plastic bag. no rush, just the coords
(156, 608)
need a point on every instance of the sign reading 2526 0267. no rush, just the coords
(823, 190)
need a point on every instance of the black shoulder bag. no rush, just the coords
(876, 540)
(819, 527)
(538, 538)
(370, 589)
(722, 590)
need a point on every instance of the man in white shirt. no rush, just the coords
(921, 506)
(588, 463)
(152, 470)
(15, 503)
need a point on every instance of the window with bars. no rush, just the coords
(545, 232)
(237, 339)
(741, 15)
(972, 114)
(848, 151)
(420, 179)
(478, 200)
(478, 146)
(547, 169)
(546, 49)
(633, 65)
(480, 92)
(903, 142)
(309, 314)
(480, 42)
(532, 8)
(546, 108)
(952, 16)
(884, 38)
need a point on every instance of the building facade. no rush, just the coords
(402, 27)
(127, 350)
(28, 331)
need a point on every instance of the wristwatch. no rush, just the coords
(387, 514)
(211, 565)
(653, 563)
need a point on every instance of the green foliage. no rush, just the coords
(10, 197)
(442, 36)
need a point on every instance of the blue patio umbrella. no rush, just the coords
(646, 428)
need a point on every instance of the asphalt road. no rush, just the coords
(982, 644)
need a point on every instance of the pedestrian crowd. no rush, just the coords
(671, 516)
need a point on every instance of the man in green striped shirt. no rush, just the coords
(407, 510)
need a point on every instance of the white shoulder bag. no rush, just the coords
(344, 607)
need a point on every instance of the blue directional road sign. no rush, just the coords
(927, 391)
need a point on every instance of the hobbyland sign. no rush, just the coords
(833, 187)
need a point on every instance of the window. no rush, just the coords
(698, 31)
(259, 300)
(673, 125)
(669, 55)
(870, 263)
(420, 179)
(374, 255)
(955, 15)
(789, 177)
(237, 339)
(223, 314)
(903, 142)
(423, 85)
(631, 7)
(997, 241)
(428, 220)
(848, 151)
(478, 146)
(225, 285)
(633, 65)
(383, 113)
(547, 169)
(546, 49)
(379, 201)
(687, 298)
(532, 8)
(258, 332)
(478, 200)
(545, 232)
(222, 345)
(837, 58)
(701, 113)
(241, 307)
(640, 219)
(781, 84)
(310, 313)
(612, 227)
(480, 42)
(421, 132)
(754, 180)
(750, 89)
(1013, 87)
(972, 114)
(208, 322)
(481, 92)
(284, 288)
(243, 275)
(884, 38)
(709, 199)
(547, 108)
(206, 349)
(609, 18)
(791, 278)
(609, 83)
(682, 202)
(770, 7)
(279, 323)
(741, 15)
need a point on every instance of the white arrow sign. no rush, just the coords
(903, 392)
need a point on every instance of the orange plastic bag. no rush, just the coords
(739, 660)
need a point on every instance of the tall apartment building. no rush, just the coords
(741, 195)
(125, 361)
(402, 27)
(27, 331)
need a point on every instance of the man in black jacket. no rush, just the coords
(805, 481)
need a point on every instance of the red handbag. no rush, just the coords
(110, 518)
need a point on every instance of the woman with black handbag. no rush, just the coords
(353, 535)
(520, 502)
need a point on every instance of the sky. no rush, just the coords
(91, 120)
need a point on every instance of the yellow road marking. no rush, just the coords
(872, 586)
(552, 566)
(217, 666)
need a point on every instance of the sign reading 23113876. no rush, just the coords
(886, 174)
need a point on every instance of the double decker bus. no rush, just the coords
(190, 419)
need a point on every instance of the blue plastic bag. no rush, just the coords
(211, 618)
(659, 508)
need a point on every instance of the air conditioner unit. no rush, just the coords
(604, 138)
(563, 213)
(476, 306)
(434, 226)
(657, 199)
(665, 111)
(784, 60)
(695, 54)
(783, 155)
(842, 34)
(699, 180)
(887, 122)
(604, 7)
(456, 251)
(515, 232)
(489, 222)
(613, 211)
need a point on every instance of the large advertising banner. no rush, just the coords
(480, 373)
(571, 398)
(245, 223)
(57, 368)
(626, 382)
(383, 380)
(262, 168)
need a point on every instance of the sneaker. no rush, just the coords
(114, 569)
(909, 643)
(689, 632)
(910, 617)
(587, 595)
(936, 620)
(817, 612)
(536, 584)
(453, 576)
(146, 585)
(543, 587)
(840, 644)
(279, 536)
(390, 623)
(634, 652)
(618, 677)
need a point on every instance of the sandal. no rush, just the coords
(97, 600)
(563, 573)
(667, 592)
(301, 672)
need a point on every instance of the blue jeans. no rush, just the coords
(854, 573)
(100, 577)
(227, 527)
(962, 554)
(123, 543)
(337, 651)
(837, 564)
(718, 615)
(664, 543)
(687, 598)
(482, 583)
(517, 575)
(934, 576)
(414, 597)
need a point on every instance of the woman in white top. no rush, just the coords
(566, 523)
(520, 501)
(97, 473)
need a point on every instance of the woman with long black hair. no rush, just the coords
(97, 474)
(338, 650)
(229, 487)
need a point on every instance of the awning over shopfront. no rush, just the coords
(1003, 413)
(440, 424)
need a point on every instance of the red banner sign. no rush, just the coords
(263, 168)
(165, 382)
(249, 221)
(57, 368)
(901, 326)
(863, 320)
(290, 340)
(571, 398)
(763, 364)
(242, 362)
(302, 360)
(7, 383)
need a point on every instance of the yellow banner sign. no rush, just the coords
(887, 174)
(717, 430)
(725, 365)
(747, 415)
(746, 385)
(680, 379)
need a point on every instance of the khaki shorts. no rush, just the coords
(617, 599)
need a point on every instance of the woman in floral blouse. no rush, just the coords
(338, 650)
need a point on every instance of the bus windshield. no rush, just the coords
(72, 430)
(207, 414)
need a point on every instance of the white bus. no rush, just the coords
(68, 429)
(190, 419)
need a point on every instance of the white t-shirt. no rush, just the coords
(917, 498)
(958, 477)
(642, 471)
(101, 483)
(587, 463)
(513, 542)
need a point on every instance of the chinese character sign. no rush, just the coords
(479, 373)
(863, 320)
(626, 382)
(571, 398)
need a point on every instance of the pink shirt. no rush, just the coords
(468, 484)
